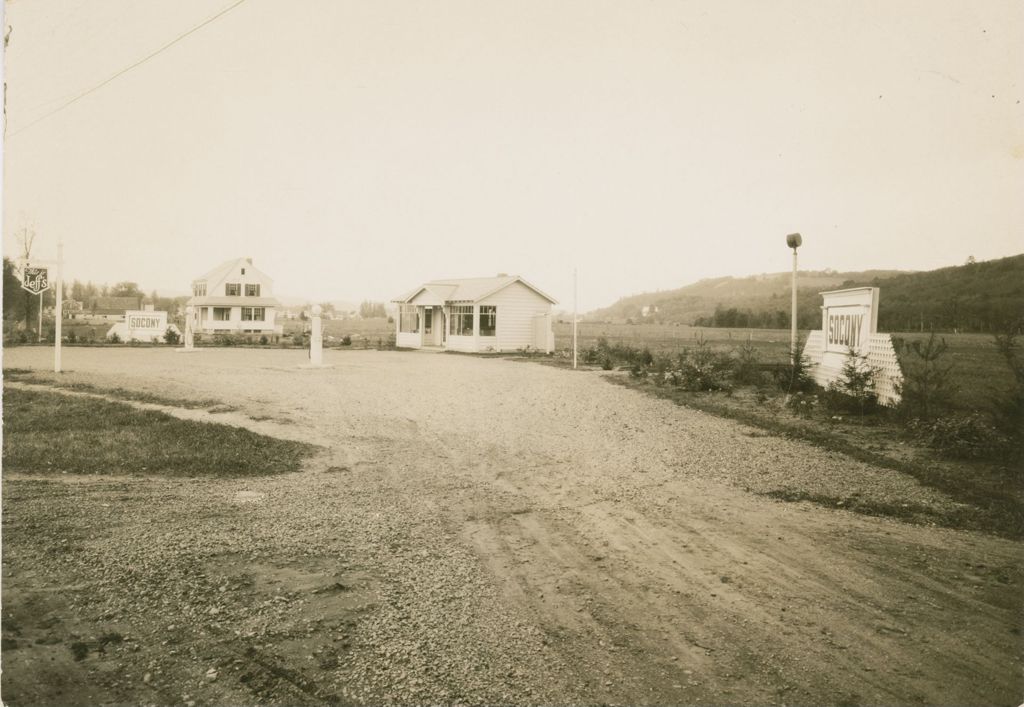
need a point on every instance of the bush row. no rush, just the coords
(926, 411)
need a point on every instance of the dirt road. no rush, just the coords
(487, 531)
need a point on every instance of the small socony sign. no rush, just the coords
(849, 318)
(145, 326)
(849, 325)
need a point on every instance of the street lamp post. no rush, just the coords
(793, 240)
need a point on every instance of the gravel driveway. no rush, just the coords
(482, 530)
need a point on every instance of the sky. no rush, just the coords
(357, 149)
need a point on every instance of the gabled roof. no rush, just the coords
(471, 289)
(221, 271)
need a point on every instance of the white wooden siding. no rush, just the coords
(407, 340)
(461, 343)
(517, 306)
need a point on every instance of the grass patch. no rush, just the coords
(35, 377)
(888, 509)
(48, 432)
(993, 492)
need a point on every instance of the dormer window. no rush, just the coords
(233, 289)
(199, 289)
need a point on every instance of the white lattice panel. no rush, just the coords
(881, 357)
(888, 376)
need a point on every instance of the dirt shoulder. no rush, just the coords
(485, 531)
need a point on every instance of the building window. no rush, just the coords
(408, 319)
(233, 289)
(488, 320)
(252, 290)
(461, 320)
(199, 289)
(222, 314)
(254, 314)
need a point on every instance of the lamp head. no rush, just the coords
(793, 240)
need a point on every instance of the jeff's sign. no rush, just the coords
(35, 280)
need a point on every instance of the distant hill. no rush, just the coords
(972, 297)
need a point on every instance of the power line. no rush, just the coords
(125, 70)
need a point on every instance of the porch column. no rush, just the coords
(476, 327)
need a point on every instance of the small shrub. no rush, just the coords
(659, 371)
(702, 369)
(747, 366)
(171, 336)
(926, 391)
(803, 404)
(606, 363)
(795, 377)
(637, 370)
(854, 390)
(299, 339)
(962, 436)
(1009, 409)
(264, 341)
(114, 339)
(346, 340)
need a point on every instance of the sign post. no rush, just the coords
(60, 307)
(36, 280)
(189, 334)
(793, 240)
(316, 340)
(575, 317)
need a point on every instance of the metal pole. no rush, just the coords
(792, 332)
(40, 331)
(575, 296)
(60, 307)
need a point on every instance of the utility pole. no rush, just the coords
(793, 240)
(575, 318)
(60, 306)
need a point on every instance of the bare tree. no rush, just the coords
(26, 236)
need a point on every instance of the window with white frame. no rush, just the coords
(460, 323)
(222, 314)
(408, 319)
(199, 289)
(254, 314)
(233, 289)
(252, 290)
(488, 320)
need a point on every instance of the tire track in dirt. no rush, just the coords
(589, 535)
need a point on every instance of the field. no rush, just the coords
(479, 530)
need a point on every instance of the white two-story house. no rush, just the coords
(234, 298)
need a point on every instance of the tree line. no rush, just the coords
(22, 305)
(982, 297)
